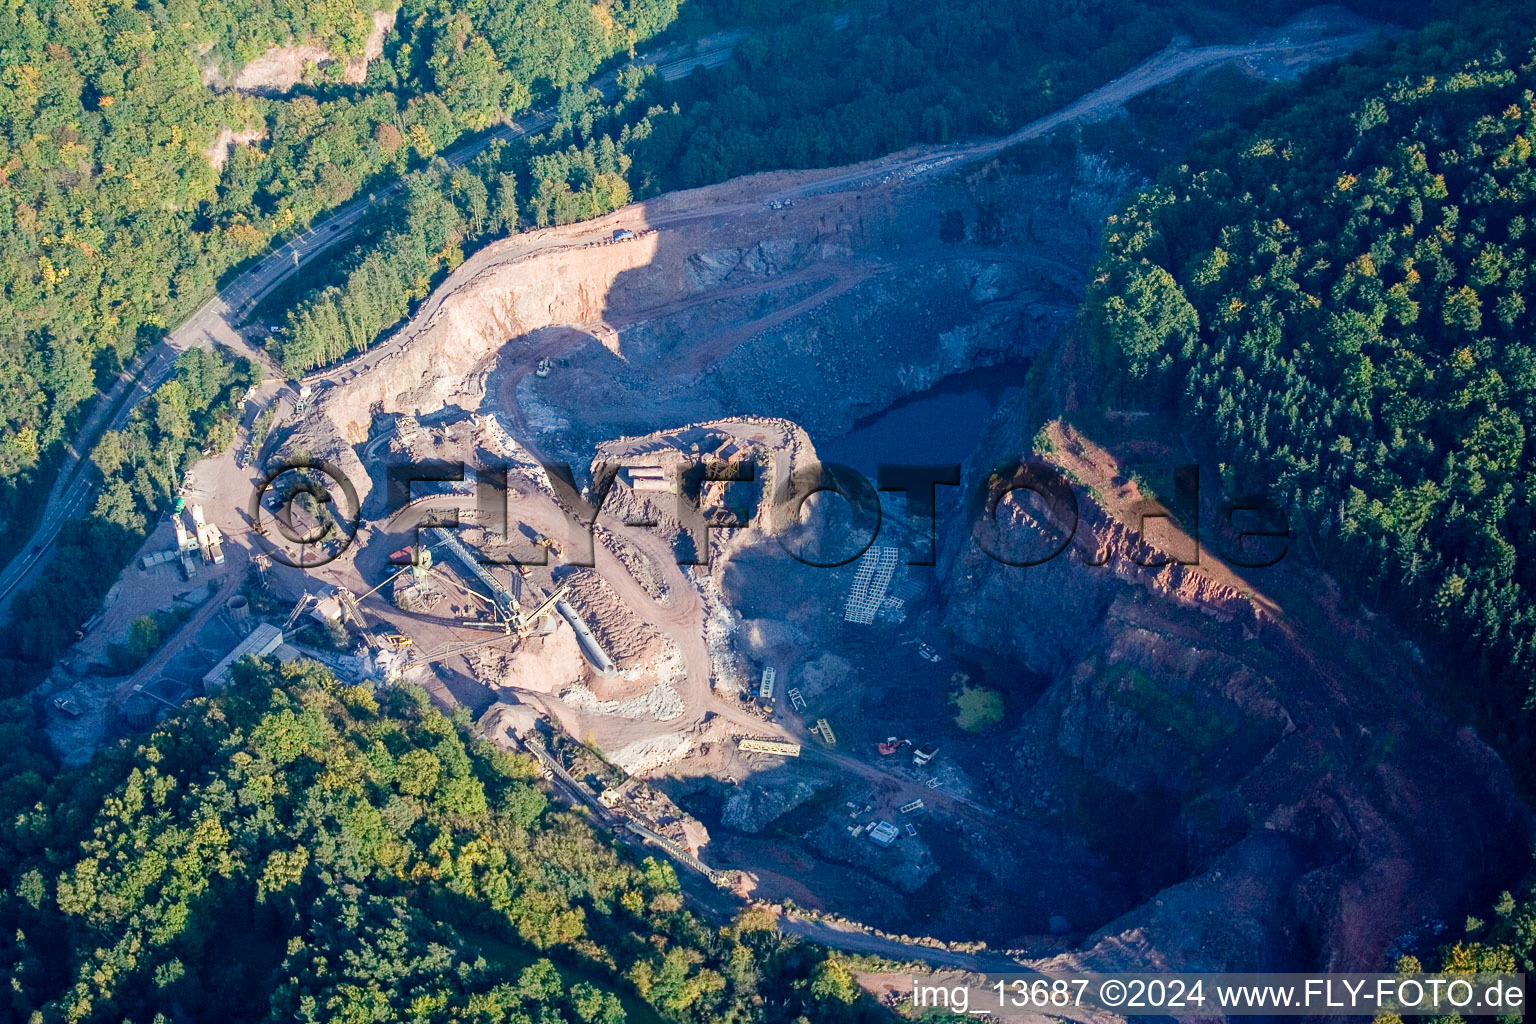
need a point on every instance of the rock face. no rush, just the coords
(1281, 789)
(906, 865)
(821, 674)
(757, 803)
(714, 267)
(713, 316)
(1225, 781)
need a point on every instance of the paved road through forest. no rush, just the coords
(74, 486)
(214, 322)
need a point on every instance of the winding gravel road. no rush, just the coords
(213, 323)
(74, 486)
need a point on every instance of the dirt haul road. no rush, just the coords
(445, 343)
(73, 488)
(750, 195)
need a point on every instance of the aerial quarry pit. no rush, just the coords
(1147, 796)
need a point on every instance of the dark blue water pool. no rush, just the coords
(940, 425)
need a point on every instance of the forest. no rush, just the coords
(118, 215)
(123, 200)
(1335, 300)
(120, 212)
(120, 209)
(190, 415)
(300, 849)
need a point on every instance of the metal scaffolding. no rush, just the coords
(876, 568)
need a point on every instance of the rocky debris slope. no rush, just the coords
(759, 801)
(932, 279)
(1281, 794)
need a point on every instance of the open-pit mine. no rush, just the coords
(1110, 759)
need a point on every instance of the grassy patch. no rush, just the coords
(1196, 729)
(977, 708)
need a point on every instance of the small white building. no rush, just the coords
(883, 834)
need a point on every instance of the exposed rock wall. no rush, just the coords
(490, 300)
(1287, 799)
